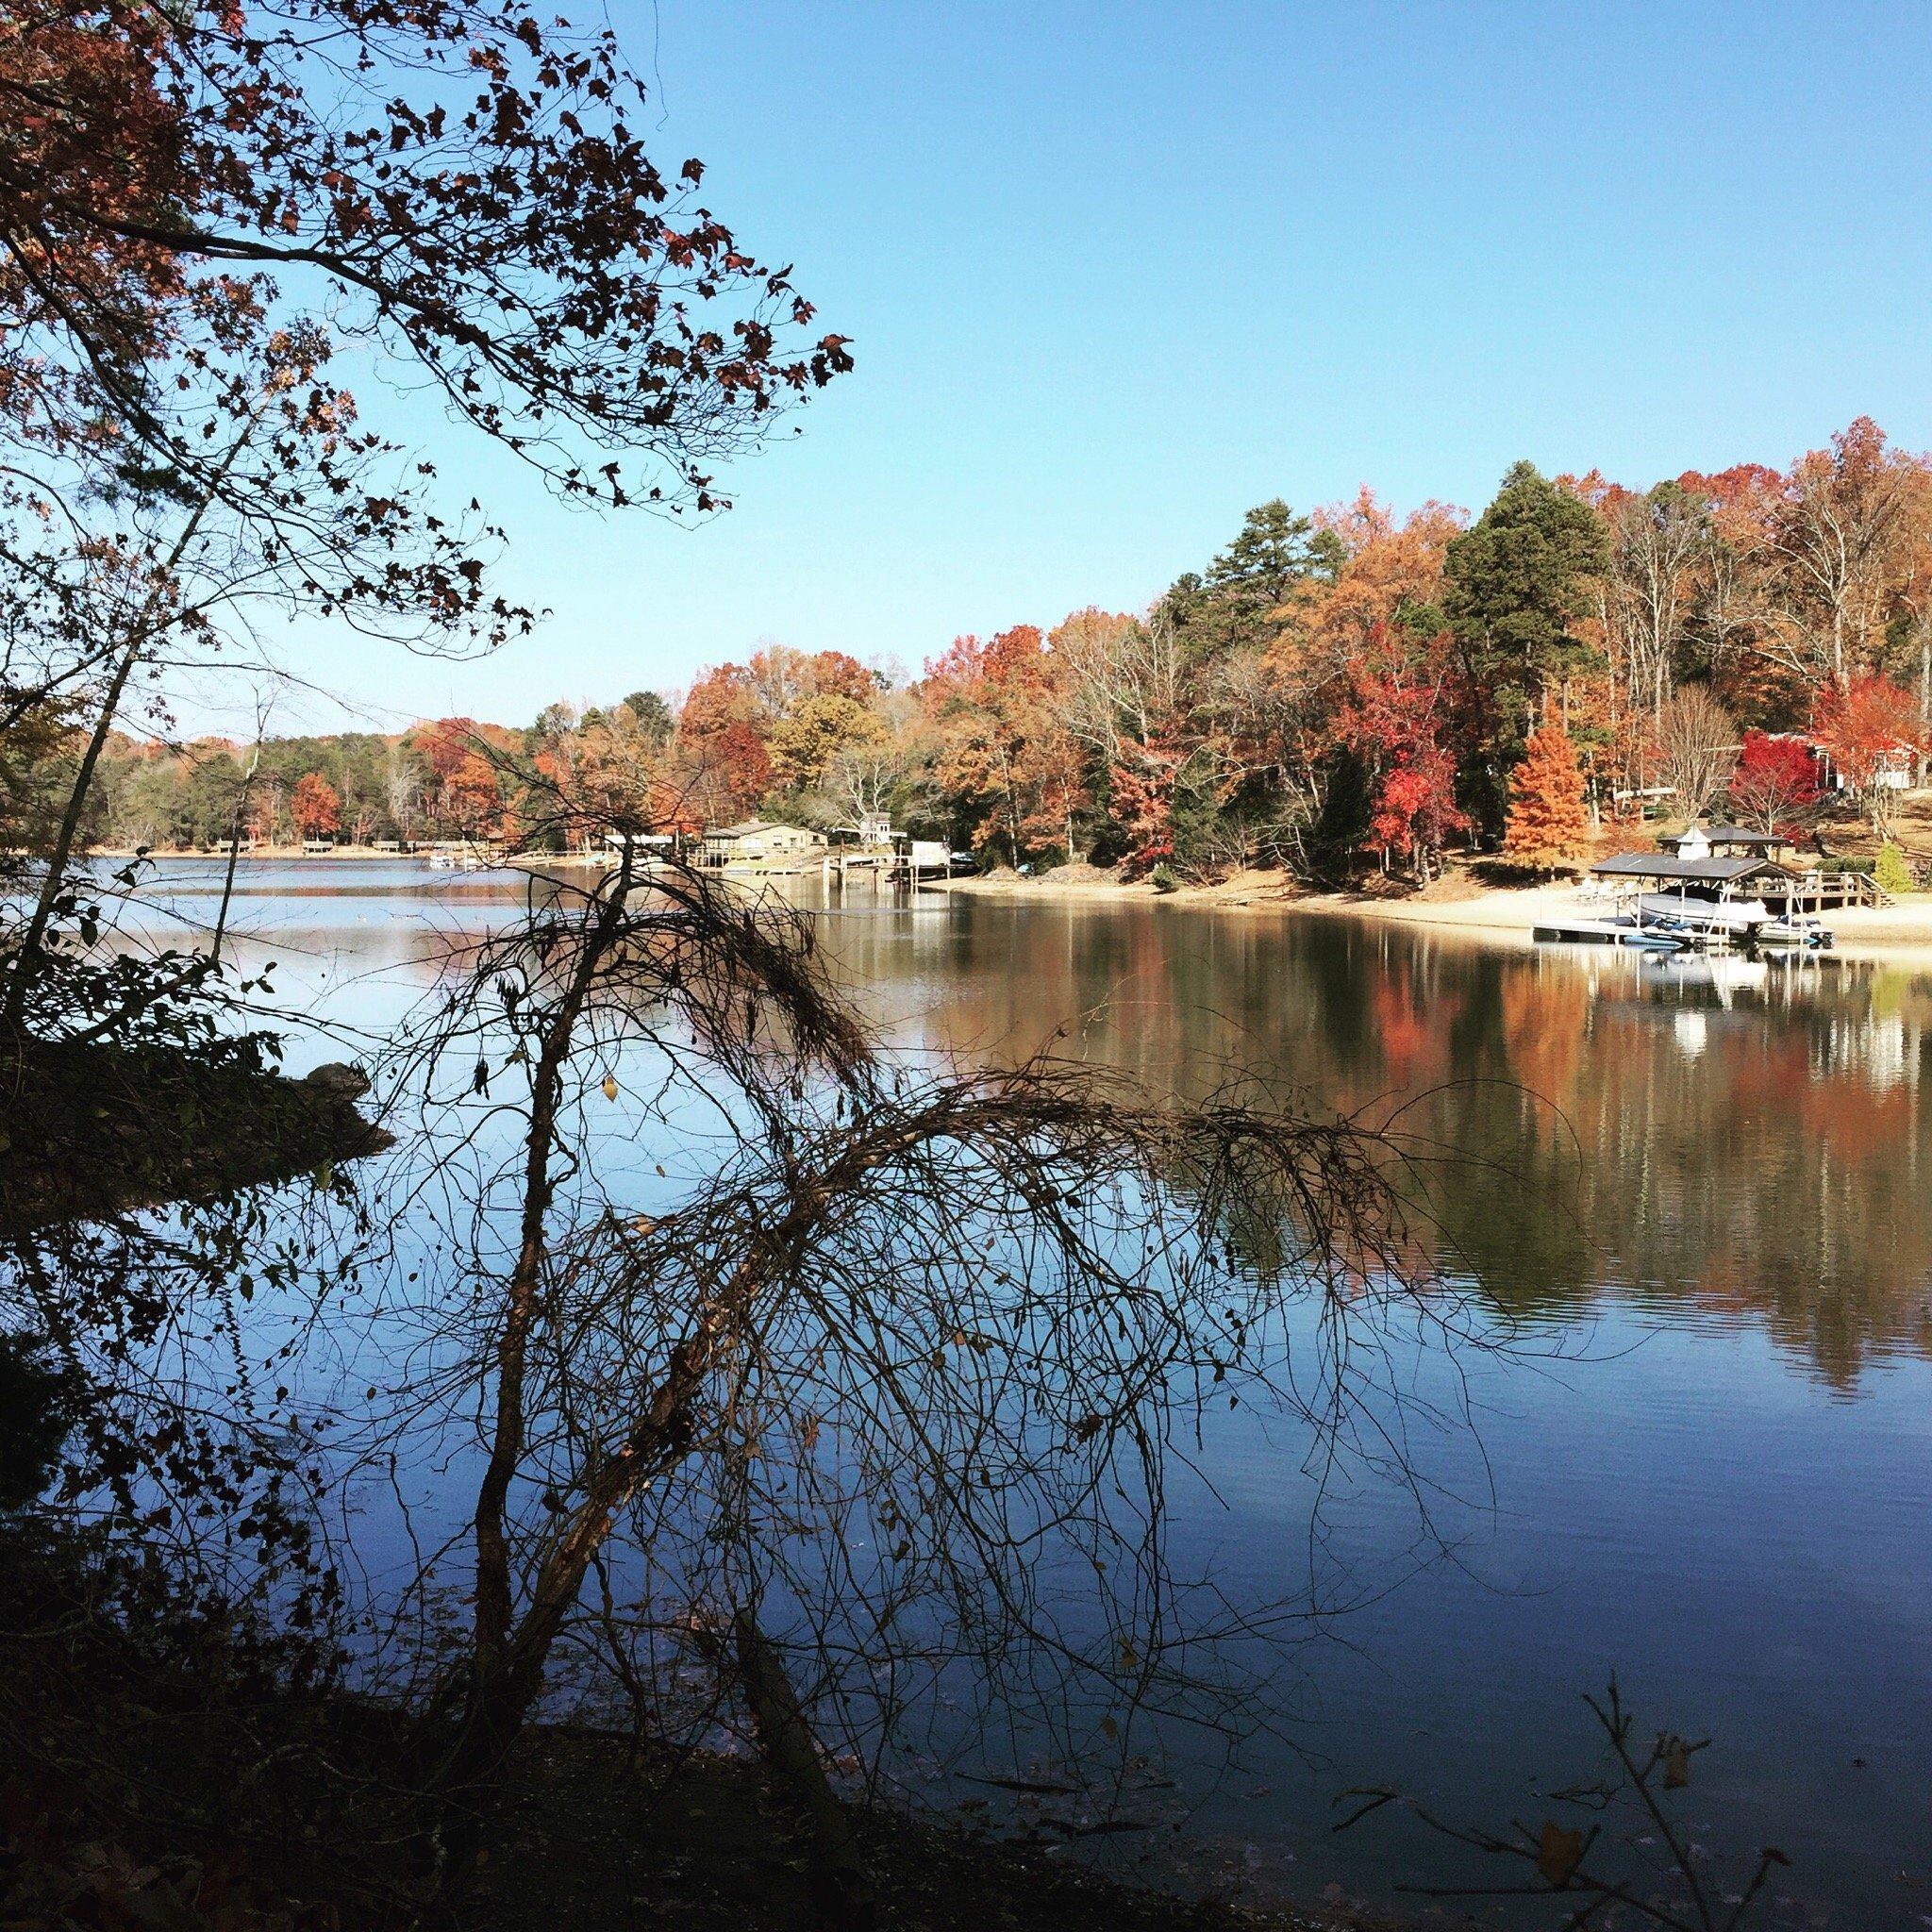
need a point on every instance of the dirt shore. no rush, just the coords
(1457, 902)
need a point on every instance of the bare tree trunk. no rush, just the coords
(844, 1892)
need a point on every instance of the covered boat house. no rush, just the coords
(1733, 877)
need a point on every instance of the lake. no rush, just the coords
(1698, 1204)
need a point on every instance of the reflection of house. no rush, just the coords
(758, 841)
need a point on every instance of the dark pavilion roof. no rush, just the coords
(1704, 872)
(1733, 835)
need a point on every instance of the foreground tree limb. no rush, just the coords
(981, 1387)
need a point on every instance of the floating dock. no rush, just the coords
(1580, 931)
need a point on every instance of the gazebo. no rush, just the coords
(1735, 842)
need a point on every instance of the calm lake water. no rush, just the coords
(1707, 1464)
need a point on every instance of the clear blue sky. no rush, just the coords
(1114, 273)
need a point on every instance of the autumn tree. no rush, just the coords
(806, 743)
(1003, 751)
(179, 182)
(1838, 538)
(778, 679)
(867, 777)
(200, 208)
(1115, 677)
(316, 806)
(1548, 826)
(720, 762)
(1387, 572)
(1400, 720)
(1775, 786)
(1144, 783)
(1870, 730)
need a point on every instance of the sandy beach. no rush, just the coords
(1457, 902)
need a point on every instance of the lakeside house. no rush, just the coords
(1894, 768)
(763, 843)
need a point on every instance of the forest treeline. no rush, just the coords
(1331, 686)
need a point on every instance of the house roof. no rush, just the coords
(1707, 872)
(750, 827)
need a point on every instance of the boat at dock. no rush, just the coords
(1666, 924)
(1710, 897)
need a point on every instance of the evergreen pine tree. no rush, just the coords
(1548, 825)
(1516, 587)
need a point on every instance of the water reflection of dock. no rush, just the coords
(1725, 976)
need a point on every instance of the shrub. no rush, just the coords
(1163, 877)
(1891, 874)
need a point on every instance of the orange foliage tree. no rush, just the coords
(1006, 761)
(1547, 826)
(316, 808)
(1871, 728)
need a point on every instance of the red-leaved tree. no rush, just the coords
(1144, 777)
(1871, 730)
(1775, 788)
(1401, 709)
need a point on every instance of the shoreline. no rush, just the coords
(1453, 903)
(1463, 906)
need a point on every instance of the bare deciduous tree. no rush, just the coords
(1117, 676)
(1697, 747)
(1659, 545)
(896, 1369)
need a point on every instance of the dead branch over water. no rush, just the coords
(896, 1374)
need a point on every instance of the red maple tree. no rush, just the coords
(1775, 788)
(1403, 703)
